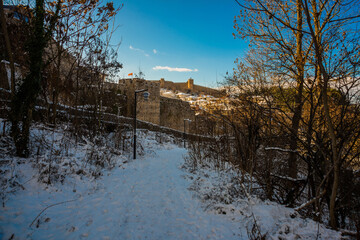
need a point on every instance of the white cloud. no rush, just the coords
(155, 51)
(136, 49)
(176, 69)
(139, 50)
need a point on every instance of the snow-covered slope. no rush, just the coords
(153, 197)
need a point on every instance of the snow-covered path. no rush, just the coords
(143, 199)
(148, 200)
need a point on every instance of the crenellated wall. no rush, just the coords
(188, 87)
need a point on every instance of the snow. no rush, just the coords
(8, 71)
(5, 90)
(157, 196)
(223, 193)
(280, 149)
(166, 93)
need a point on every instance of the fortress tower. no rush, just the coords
(162, 82)
(190, 84)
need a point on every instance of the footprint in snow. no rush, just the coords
(89, 222)
(84, 235)
(72, 229)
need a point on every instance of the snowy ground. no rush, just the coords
(153, 197)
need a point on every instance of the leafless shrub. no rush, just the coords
(9, 180)
(255, 232)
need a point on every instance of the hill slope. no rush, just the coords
(153, 197)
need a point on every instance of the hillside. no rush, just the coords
(158, 196)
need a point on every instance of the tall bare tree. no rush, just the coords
(277, 28)
(80, 24)
(24, 100)
(326, 21)
(323, 71)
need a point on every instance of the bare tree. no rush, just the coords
(62, 33)
(312, 45)
(273, 26)
(325, 22)
(80, 25)
(24, 99)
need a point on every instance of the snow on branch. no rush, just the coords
(304, 205)
(280, 149)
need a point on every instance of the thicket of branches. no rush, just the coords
(297, 97)
(293, 121)
(65, 52)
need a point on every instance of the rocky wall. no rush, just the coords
(173, 112)
(147, 110)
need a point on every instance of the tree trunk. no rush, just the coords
(24, 100)
(331, 130)
(299, 61)
(292, 163)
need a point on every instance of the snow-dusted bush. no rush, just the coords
(58, 152)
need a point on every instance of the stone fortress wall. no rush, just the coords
(188, 87)
(146, 110)
(161, 110)
(173, 112)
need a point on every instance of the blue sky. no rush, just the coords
(178, 39)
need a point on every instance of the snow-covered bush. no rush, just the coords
(58, 152)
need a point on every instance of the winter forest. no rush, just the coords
(273, 152)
